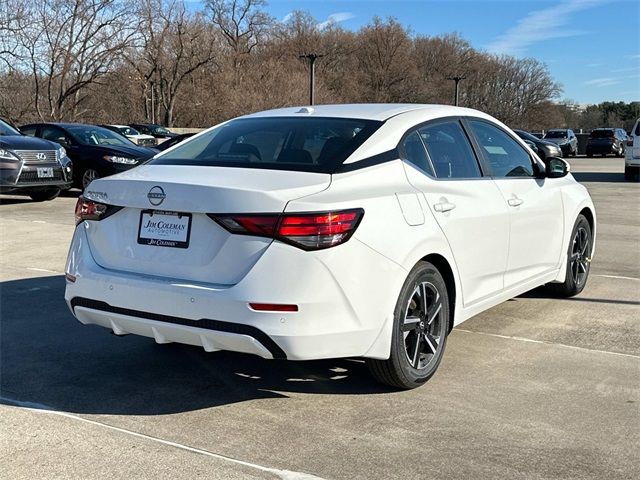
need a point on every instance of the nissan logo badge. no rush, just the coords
(156, 196)
(41, 156)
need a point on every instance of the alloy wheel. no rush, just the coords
(423, 325)
(580, 257)
(88, 176)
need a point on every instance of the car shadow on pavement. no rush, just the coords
(47, 357)
(608, 177)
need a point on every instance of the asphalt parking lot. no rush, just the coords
(533, 388)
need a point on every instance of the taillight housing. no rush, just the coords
(90, 210)
(308, 231)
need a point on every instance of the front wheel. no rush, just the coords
(578, 261)
(89, 176)
(421, 325)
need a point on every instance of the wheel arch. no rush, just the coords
(442, 264)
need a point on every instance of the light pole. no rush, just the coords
(456, 79)
(312, 57)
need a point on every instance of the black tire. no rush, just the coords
(631, 174)
(578, 261)
(45, 195)
(589, 153)
(424, 333)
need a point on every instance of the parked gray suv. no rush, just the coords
(32, 166)
(565, 139)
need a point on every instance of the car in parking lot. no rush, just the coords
(544, 148)
(565, 139)
(606, 141)
(329, 231)
(160, 133)
(32, 166)
(632, 154)
(95, 151)
(133, 135)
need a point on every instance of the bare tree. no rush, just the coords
(175, 45)
(384, 59)
(244, 26)
(68, 45)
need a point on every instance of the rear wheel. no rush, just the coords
(578, 261)
(421, 325)
(45, 195)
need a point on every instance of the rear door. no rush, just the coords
(535, 205)
(468, 206)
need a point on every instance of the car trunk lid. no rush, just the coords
(180, 197)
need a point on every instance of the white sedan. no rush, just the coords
(329, 231)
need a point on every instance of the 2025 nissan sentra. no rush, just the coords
(329, 231)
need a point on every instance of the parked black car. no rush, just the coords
(157, 131)
(607, 140)
(95, 151)
(565, 139)
(174, 141)
(32, 166)
(544, 147)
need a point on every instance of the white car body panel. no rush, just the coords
(346, 294)
(632, 155)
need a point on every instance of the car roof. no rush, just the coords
(365, 111)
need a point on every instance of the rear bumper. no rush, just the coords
(339, 314)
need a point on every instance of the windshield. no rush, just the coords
(281, 143)
(601, 133)
(6, 129)
(526, 136)
(128, 131)
(556, 134)
(160, 131)
(89, 135)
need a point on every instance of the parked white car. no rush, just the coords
(329, 231)
(632, 154)
(133, 135)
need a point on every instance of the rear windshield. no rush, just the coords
(601, 133)
(280, 143)
(556, 134)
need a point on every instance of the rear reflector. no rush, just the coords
(273, 307)
(309, 231)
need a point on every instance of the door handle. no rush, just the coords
(515, 202)
(444, 207)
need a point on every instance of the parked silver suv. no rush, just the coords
(32, 166)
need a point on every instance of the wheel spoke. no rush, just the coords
(431, 342)
(434, 310)
(410, 323)
(416, 351)
(423, 294)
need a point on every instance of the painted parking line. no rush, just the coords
(542, 342)
(44, 409)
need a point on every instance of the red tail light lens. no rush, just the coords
(89, 210)
(309, 231)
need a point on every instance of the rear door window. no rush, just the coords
(282, 143)
(449, 150)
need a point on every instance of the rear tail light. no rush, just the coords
(309, 231)
(630, 142)
(89, 210)
(273, 307)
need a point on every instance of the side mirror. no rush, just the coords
(556, 167)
